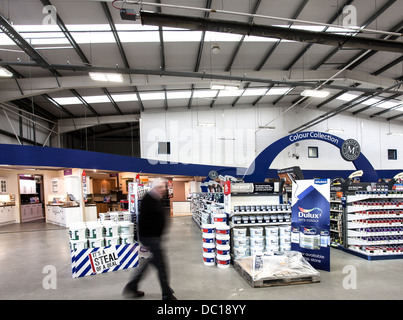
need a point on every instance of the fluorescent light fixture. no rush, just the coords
(395, 133)
(267, 127)
(334, 130)
(107, 77)
(218, 85)
(315, 93)
(5, 73)
(206, 124)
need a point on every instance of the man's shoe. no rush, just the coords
(131, 293)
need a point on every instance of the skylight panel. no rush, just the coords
(278, 91)
(178, 94)
(124, 97)
(88, 27)
(175, 94)
(389, 104)
(67, 100)
(152, 96)
(204, 93)
(182, 36)
(144, 36)
(347, 97)
(135, 27)
(96, 99)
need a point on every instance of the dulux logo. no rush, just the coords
(310, 231)
(320, 181)
(309, 213)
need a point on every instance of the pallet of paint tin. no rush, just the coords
(287, 279)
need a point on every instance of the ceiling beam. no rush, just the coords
(397, 28)
(67, 34)
(372, 18)
(376, 104)
(344, 107)
(8, 29)
(121, 51)
(238, 46)
(115, 105)
(68, 125)
(85, 103)
(225, 26)
(199, 53)
(274, 47)
(298, 78)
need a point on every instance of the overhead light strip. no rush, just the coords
(160, 95)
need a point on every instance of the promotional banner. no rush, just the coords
(93, 261)
(310, 221)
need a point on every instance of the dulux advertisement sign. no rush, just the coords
(310, 221)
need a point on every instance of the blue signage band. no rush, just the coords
(257, 171)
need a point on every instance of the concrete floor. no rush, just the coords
(25, 249)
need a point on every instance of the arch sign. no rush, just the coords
(350, 150)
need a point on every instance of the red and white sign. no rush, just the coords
(227, 187)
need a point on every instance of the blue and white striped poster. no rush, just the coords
(92, 261)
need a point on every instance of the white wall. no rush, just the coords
(191, 143)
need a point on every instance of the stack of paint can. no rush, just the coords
(78, 236)
(208, 231)
(95, 234)
(285, 237)
(111, 233)
(241, 246)
(223, 256)
(272, 238)
(256, 240)
(278, 238)
(126, 232)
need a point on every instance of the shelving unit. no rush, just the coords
(252, 209)
(374, 224)
(336, 221)
(203, 204)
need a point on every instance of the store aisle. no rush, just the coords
(23, 256)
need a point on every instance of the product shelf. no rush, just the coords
(368, 215)
(234, 225)
(357, 208)
(359, 225)
(247, 213)
(371, 253)
(374, 224)
(361, 242)
(361, 197)
(354, 233)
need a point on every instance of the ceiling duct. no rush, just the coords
(226, 26)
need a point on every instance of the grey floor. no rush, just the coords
(25, 249)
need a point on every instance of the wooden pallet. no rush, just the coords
(284, 280)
